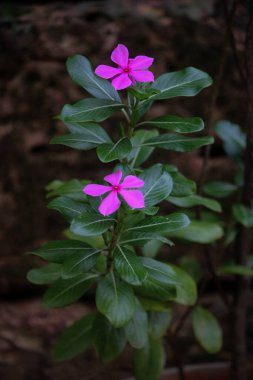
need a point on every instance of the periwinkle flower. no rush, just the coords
(111, 203)
(129, 70)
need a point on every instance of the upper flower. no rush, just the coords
(111, 203)
(129, 70)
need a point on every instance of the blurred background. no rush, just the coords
(35, 40)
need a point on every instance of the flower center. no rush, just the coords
(126, 70)
(116, 187)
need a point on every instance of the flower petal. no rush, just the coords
(96, 190)
(134, 198)
(107, 72)
(140, 62)
(143, 75)
(110, 204)
(121, 82)
(114, 178)
(131, 182)
(120, 55)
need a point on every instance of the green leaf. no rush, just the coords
(81, 72)
(186, 82)
(177, 124)
(138, 154)
(158, 185)
(115, 299)
(80, 262)
(65, 292)
(90, 109)
(128, 265)
(72, 189)
(58, 251)
(68, 207)
(112, 152)
(178, 143)
(109, 341)
(233, 138)
(137, 328)
(234, 269)
(149, 361)
(155, 305)
(207, 330)
(182, 186)
(45, 275)
(91, 224)
(220, 189)
(75, 339)
(151, 248)
(140, 238)
(243, 214)
(195, 200)
(199, 232)
(191, 265)
(174, 276)
(83, 138)
(159, 322)
(161, 224)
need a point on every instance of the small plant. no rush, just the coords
(116, 225)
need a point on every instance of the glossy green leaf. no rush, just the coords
(112, 152)
(220, 189)
(158, 185)
(68, 207)
(178, 143)
(91, 224)
(151, 248)
(161, 224)
(128, 265)
(177, 124)
(159, 322)
(186, 82)
(80, 262)
(140, 238)
(233, 138)
(75, 339)
(136, 329)
(65, 292)
(195, 200)
(82, 73)
(207, 329)
(83, 137)
(182, 186)
(149, 360)
(45, 275)
(199, 232)
(174, 276)
(115, 299)
(243, 214)
(109, 341)
(138, 154)
(57, 251)
(72, 189)
(234, 269)
(90, 109)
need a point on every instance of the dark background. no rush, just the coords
(35, 40)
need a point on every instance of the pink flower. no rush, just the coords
(111, 203)
(128, 71)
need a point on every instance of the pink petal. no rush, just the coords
(131, 182)
(140, 62)
(107, 72)
(96, 190)
(134, 198)
(143, 75)
(121, 82)
(120, 55)
(114, 178)
(110, 204)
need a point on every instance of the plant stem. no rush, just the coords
(244, 241)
